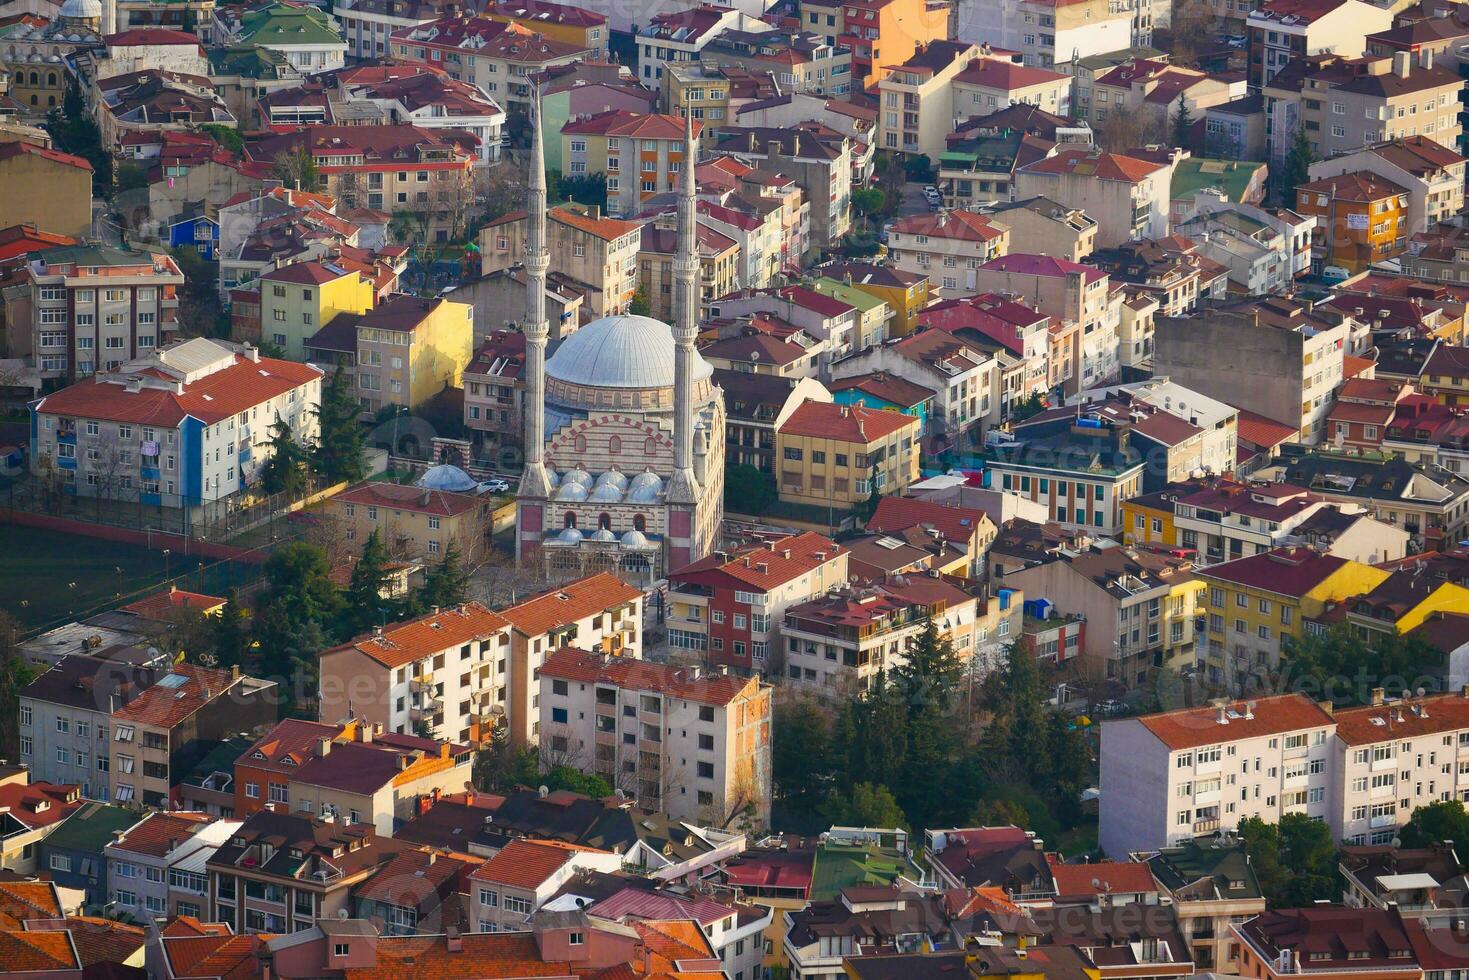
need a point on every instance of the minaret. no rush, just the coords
(683, 488)
(534, 483)
(109, 17)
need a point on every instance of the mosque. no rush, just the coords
(624, 466)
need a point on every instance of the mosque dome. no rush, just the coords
(578, 476)
(635, 539)
(572, 491)
(606, 493)
(645, 488)
(447, 477)
(603, 536)
(612, 478)
(81, 10)
(623, 351)
(569, 535)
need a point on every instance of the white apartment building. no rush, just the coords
(440, 676)
(137, 862)
(1393, 757)
(693, 744)
(92, 307)
(1049, 34)
(1171, 776)
(948, 247)
(180, 427)
(1129, 198)
(512, 885)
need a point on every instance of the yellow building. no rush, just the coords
(409, 349)
(898, 27)
(830, 455)
(414, 522)
(1254, 603)
(1403, 602)
(905, 293)
(46, 188)
(298, 300)
(1446, 375)
(718, 264)
(1148, 519)
(555, 21)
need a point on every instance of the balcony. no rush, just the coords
(421, 683)
(1206, 826)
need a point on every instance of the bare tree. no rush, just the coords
(1124, 130)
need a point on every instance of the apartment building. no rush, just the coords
(837, 644)
(838, 455)
(904, 26)
(82, 309)
(1432, 173)
(1175, 775)
(509, 888)
(695, 745)
(1361, 219)
(1128, 198)
(1212, 886)
(1081, 475)
(418, 522)
(969, 531)
(434, 675)
(1280, 31)
(917, 96)
(1072, 293)
(137, 862)
(1346, 103)
(298, 300)
(576, 26)
(306, 38)
(801, 62)
(1277, 356)
(1151, 598)
(598, 613)
(755, 406)
(1153, 91)
(947, 247)
(188, 879)
(1427, 501)
(821, 163)
(905, 293)
(49, 188)
(1040, 226)
(729, 605)
(185, 426)
(368, 25)
(280, 872)
(1254, 603)
(1053, 35)
(410, 350)
(497, 56)
(718, 263)
(423, 171)
(641, 154)
(596, 252)
(963, 374)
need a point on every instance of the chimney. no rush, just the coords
(1401, 60)
(454, 942)
(1379, 695)
(772, 149)
(323, 746)
(1425, 60)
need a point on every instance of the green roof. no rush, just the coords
(221, 758)
(1206, 866)
(1196, 173)
(100, 255)
(90, 828)
(851, 295)
(282, 26)
(246, 62)
(839, 866)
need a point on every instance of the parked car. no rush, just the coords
(497, 485)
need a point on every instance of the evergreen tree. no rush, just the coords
(1182, 122)
(867, 805)
(285, 470)
(340, 440)
(801, 756)
(446, 584)
(366, 605)
(231, 640)
(640, 305)
(931, 674)
(1435, 823)
(1297, 164)
(878, 743)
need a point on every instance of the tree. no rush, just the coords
(640, 305)
(1297, 164)
(1182, 121)
(226, 136)
(588, 189)
(231, 639)
(1294, 860)
(930, 674)
(801, 758)
(918, 167)
(297, 169)
(575, 781)
(1338, 663)
(340, 439)
(365, 603)
(1034, 404)
(747, 490)
(868, 805)
(868, 201)
(1440, 821)
(1124, 130)
(16, 675)
(1001, 812)
(446, 583)
(285, 470)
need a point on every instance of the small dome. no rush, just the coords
(569, 536)
(446, 477)
(645, 494)
(603, 536)
(571, 491)
(646, 479)
(82, 9)
(577, 475)
(612, 478)
(607, 493)
(635, 539)
(552, 477)
(623, 351)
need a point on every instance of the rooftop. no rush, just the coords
(1188, 728)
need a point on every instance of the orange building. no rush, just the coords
(556, 21)
(881, 33)
(1327, 943)
(1360, 219)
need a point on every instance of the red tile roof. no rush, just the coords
(1187, 728)
(40, 804)
(964, 226)
(1257, 430)
(644, 675)
(766, 566)
(9, 151)
(1403, 719)
(419, 500)
(1004, 74)
(1101, 877)
(1355, 187)
(291, 738)
(157, 833)
(640, 125)
(425, 636)
(569, 603)
(24, 900)
(1291, 571)
(846, 423)
(312, 273)
(163, 605)
(1027, 264)
(482, 956)
(526, 863)
(956, 524)
(150, 36)
(210, 399)
(165, 704)
(607, 229)
(38, 953)
(225, 957)
(21, 240)
(1092, 163)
